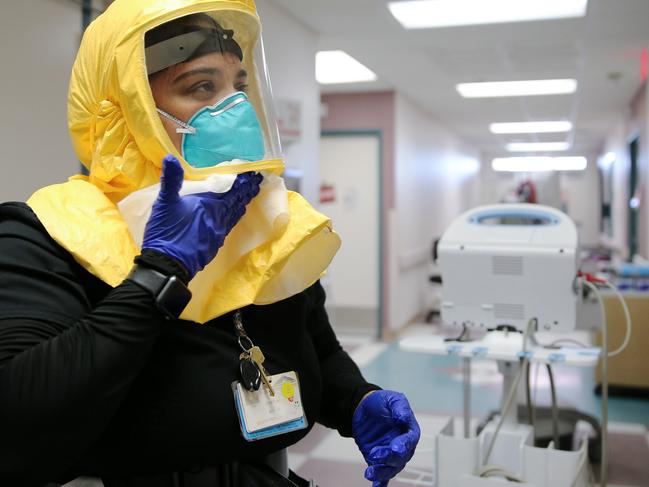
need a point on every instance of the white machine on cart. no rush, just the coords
(509, 270)
(506, 264)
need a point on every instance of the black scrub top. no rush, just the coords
(95, 380)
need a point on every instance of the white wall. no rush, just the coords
(580, 194)
(437, 178)
(290, 52)
(38, 43)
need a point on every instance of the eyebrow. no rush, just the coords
(193, 72)
(211, 71)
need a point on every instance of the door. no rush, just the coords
(350, 194)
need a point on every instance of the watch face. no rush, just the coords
(170, 293)
(173, 297)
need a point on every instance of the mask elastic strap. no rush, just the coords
(186, 129)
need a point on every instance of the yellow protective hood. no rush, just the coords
(118, 135)
(115, 128)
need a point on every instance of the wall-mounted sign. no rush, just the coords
(289, 120)
(327, 193)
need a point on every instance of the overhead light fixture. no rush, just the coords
(334, 67)
(608, 160)
(538, 146)
(530, 127)
(421, 14)
(517, 88)
(538, 164)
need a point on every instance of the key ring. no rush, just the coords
(242, 336)
(247, 339)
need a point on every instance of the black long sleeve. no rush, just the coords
(95, 381)
(181, 414)
(343, 384)
(65, 368)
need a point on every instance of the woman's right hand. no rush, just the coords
(192, 228)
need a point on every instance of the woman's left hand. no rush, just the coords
(387, 433)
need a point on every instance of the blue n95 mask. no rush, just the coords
(221, 132)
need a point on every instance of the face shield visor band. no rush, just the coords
(190, 45)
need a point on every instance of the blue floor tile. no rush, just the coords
(431, 384)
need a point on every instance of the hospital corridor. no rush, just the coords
(334, 243)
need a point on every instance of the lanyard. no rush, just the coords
(242, 337)
(251, 360)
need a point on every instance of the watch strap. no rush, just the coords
(163, 263)
(169, 292)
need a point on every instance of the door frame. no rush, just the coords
(633, 214)
(380, 291)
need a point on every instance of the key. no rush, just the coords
(266, 379)
(251, 375)
(258, 358)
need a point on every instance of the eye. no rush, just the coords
(203, 87)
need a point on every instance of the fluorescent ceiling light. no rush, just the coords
(538, 146)
(530, 127)
(517, 88)
(536, 164)
(420, 14)
(333, 67)
(608, 160)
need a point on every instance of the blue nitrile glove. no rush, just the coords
(192, 228)
(387, 433)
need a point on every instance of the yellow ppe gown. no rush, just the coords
(117, 134)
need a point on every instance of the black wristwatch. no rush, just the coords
(170, 293)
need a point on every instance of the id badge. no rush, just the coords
(262, 415)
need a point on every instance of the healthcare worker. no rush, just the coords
(161, 320)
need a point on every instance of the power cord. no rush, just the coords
(604, 461)
(591, 282)
(583, 461)
(510, 397)
(596, 281)
(531, 401)
(464, 336)
(555, 408)
(627, 317)
(494, 471)
(565, 340)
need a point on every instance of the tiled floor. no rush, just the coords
(336, 462)
(434, 388)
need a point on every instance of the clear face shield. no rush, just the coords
(209, 80)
